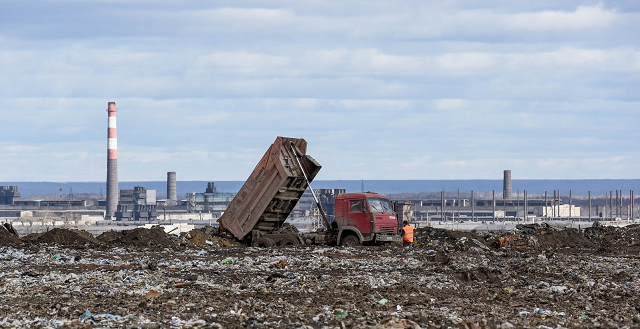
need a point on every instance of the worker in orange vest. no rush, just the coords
(407, 235)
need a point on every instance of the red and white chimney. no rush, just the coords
(112, 163)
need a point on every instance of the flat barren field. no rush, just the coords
(536, 277)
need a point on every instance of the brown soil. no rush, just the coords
(544, 279)
(109, 236)
(568, 238)
(620, 240)
(199, 238)
(139, 237)
(66, 237)
(8, 239)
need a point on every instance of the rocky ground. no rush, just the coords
(537, 277)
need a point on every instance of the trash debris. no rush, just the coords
(546, 277)
(140, 237)
(341, 315)
(396, 324)
(209, 236)
(152, 294)
(86, 315)
(183, 284)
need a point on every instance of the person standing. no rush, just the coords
(407, 235)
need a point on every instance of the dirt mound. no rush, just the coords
(287, 228)
(615, 239)
(198, 237)
(428, 237)
(66, 237)
(425, 236)
(532, 229)
(139, 237)
(567, 238)
(457, 235)
(7, 238)
(633, 227)
(109, 236)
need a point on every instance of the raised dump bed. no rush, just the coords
(272, 190)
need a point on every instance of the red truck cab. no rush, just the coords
(365, 217)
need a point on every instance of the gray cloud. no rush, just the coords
(380, 89)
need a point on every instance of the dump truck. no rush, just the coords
(258, 212)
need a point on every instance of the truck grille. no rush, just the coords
(387, 229)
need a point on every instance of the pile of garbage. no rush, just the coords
(286, 228)
(621, 240)
(318, 287)
(154, 237)
(535, 277)
(601, 239)
(205, 236)
(448, 240)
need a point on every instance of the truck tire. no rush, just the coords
(291, 241)
(350, 241)
(263, 243)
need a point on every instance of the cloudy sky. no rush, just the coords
(379, 89)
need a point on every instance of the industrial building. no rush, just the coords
(211, 201)
(326, 197)
(8, 194)
(504, 208)
(446, 209)
(138, 204)
(54, 204)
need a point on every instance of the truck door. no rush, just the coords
(358, 216)
(339, 212)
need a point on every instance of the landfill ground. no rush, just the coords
(536, 277)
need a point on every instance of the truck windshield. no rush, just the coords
(379, 205)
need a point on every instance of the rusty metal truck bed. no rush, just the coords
(272, 190)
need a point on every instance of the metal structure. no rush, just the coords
(211, 188)
(272, 190)
(211, 201)
(112, 163)
(506, 184)
(137, 204)
(7, 194)
(172, 191)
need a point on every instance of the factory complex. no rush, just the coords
(142, 206)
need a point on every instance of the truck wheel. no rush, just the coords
(263, 243)
(350, 241)
(289, 242)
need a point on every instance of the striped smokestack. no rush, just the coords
(112, 163)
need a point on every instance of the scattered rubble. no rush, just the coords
(205, 236)
(139, 237)
(287, 228)
(7, 235)
(538, 277)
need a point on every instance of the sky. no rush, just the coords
(379, 89)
